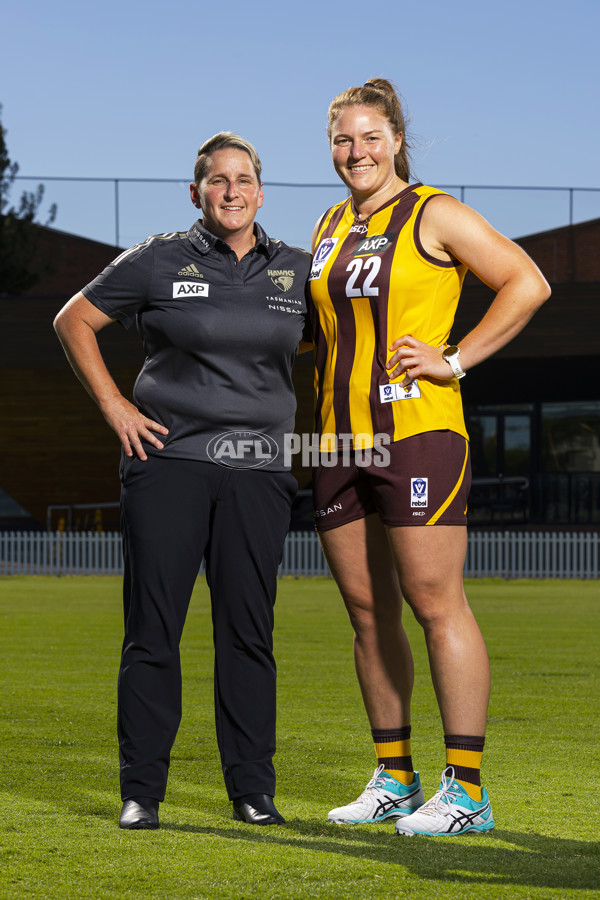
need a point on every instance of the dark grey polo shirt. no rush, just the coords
(220, 336)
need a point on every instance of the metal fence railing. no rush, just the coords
(490, 554)
(60, 553)
(127, 210)
(531, 554)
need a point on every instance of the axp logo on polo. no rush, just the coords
(187, 288)
(242, 449)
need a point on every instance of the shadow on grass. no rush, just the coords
(500, 857)
(534, 860)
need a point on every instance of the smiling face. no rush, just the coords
(363, 147)
(229, 193)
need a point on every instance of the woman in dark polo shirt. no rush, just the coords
(221, 311)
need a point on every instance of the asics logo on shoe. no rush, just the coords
(450, 811)
(385, 805)
(383, 798)
(463, 820)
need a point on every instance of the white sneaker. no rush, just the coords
(383, 798)
(450, 811)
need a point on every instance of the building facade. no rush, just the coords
(533, 410)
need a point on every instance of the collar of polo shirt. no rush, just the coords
(205, 241)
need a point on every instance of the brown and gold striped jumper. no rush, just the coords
(372, 282)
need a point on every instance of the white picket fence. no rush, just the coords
(490, 554)
(533, 554)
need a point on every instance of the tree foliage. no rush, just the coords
(20, 265)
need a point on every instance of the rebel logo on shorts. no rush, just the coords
(419, 489)
(374, 244)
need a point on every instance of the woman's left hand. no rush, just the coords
(415, 359)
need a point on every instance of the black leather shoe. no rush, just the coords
(256, 809)
(139, 812)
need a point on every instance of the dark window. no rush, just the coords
(571, 437)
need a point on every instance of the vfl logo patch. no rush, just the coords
(390, 392)
(419, 492)
(190, 288)
(376, 243)
(321, 256)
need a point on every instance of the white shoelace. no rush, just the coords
(376, 782)
(442, 799)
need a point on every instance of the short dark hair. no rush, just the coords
(222, 141)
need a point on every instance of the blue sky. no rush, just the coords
(502, 93)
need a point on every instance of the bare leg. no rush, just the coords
(359, 558)
(429, 562)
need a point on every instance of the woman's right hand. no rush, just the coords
(130, 426)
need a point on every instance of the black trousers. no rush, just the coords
(174, 512)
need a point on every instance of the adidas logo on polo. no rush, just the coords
(190, 272)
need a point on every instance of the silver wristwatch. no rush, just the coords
(451, 354)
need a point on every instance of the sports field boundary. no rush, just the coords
(490, 554)
(59, 837)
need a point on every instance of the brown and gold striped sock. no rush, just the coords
(463, 753)
(392, 746)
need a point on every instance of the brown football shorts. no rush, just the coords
(421, 480)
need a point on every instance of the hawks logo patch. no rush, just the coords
(282, 278)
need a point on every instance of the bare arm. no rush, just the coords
(305, 346)
(76, 326)
(449, 227)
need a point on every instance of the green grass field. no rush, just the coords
(59, 644)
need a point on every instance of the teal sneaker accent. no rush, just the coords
(450, 811)
(383, 798)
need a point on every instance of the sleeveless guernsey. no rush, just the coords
(372, 282)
